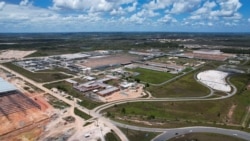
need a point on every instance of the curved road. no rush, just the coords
(168, 133)
(171, 133)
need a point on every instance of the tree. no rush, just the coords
(137, 80)
(108, 114)
(123, 110)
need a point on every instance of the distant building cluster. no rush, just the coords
(206, 54)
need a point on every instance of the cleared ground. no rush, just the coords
(151, 76)
(17, 54)
(205, 137)
(125, 94)
(188, 62)
(110, 60)
(39, 77)
(214, 79)
(22, 121)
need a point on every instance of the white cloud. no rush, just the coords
(119, 11)
(122, 11)
(2, 4)
(24, 3)
(210, 24)
(230, 24)
(182, 6)
(167, 19)
(158, 4)
(132, 8)
(221, 9)
(90, 5)
(33, 18)
(249, 20)
(228, 8)
(206, 8)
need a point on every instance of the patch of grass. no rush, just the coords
(241, 82)
(134, 135)
(205, 137)
(185, 86)
(39, 77)
(111, 136)
(68, 88)
(151, 76)
(188, 69)
(56, 103)
(184, 113)
(58, 69)
(81, 114)
(87, 123)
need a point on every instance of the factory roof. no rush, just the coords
(74, 56)
(107, 91)
(6, 86)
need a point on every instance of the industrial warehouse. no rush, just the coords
(12, 100)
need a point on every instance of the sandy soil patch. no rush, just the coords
(231, 111)
(15, 54)
(109, 60)
(124, 94)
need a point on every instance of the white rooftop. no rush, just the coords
(74, 56)
(6, 86)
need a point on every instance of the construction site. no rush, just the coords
(20, 111)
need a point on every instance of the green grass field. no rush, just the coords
(151, 76)
(185, 86)
(38, 77)
(186, 113)
(66, 87)
(81, 114)
(55, 70)
(111, 136)
(205, 137)
(133, 135)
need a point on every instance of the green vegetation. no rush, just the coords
(56, 103)
(55, 70)
(68, 88)
(177, 114)
(81, 114)
(205, 137)
(87, 123)
(151, 76)
(134, 135)
(241, 82)
(111, 136)
(39, 77)
(113, 82)
(185, 86)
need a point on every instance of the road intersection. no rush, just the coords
(167, 133)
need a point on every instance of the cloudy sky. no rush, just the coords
(124, 15)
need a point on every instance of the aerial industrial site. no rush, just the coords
(152, 93)
(124, 70)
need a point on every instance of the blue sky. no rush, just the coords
(124, 15)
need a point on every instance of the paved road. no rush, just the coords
(72, 103)
(168, 134)
(174, 132)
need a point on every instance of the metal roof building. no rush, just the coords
(6, 86)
